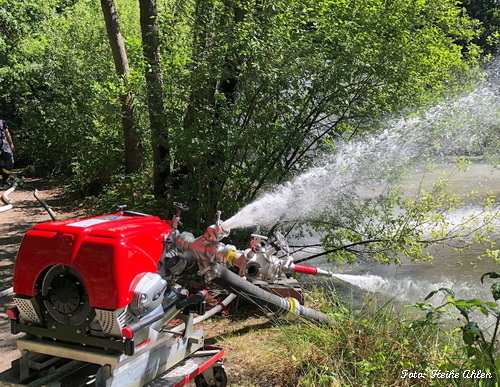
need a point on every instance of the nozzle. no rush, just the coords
(310, 270)
(221, 233)
(215, 232)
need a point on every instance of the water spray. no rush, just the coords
(361, 169)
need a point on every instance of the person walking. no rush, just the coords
(6, 155)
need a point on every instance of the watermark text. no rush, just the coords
(438, 374)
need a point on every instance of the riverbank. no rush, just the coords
(375, 344)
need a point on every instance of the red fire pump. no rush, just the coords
(102, 290)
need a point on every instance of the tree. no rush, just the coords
(59, 91)
(210, 95)
(155, 95)
(304, 75)
(132, 139)
(256, 90)
(488, 13)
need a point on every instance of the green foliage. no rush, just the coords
(60, 94)
(480, 350)
(269, 86)
(487, 13)
(254, 90)
(371, 347)
(132, 191)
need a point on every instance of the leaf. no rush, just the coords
(491, 274)
(471, 302)
(431, 294)
(472, 327)
(464, 311)
(495, 290)
(468, 337)
(449, 291)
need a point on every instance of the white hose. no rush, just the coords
(6, 208)
(5, 196)
(6, 200)
(6, 292)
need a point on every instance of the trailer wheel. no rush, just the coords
(220, 377)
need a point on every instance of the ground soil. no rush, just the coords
(244, 336)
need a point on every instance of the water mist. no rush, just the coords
(462, 125)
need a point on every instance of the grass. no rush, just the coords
(370, 347)
(374, 347)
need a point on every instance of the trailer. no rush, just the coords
(204, 367)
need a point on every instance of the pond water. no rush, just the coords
(412, 281)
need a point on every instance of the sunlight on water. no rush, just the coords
(407, 291)
(369, 283)
(467, 125)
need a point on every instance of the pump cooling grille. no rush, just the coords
(28, 309)
(112, 321)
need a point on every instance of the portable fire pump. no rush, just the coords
(103, 290)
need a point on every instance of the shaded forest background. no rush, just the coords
(209, 102)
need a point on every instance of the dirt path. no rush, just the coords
(25, 213)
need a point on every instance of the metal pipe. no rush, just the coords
(216, 309)
(170, 313)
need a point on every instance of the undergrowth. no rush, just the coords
(132, 191)
(380, 345)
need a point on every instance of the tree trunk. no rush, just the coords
(134, 148)
(155, 95)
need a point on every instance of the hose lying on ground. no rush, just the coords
(5, 198)
(45, 205)
(264, 299)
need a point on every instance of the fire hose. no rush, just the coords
(121, 311)
(264, 299)
(45, 205)
(5, 198)
(259, 261)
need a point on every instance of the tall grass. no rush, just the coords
(373, 346)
